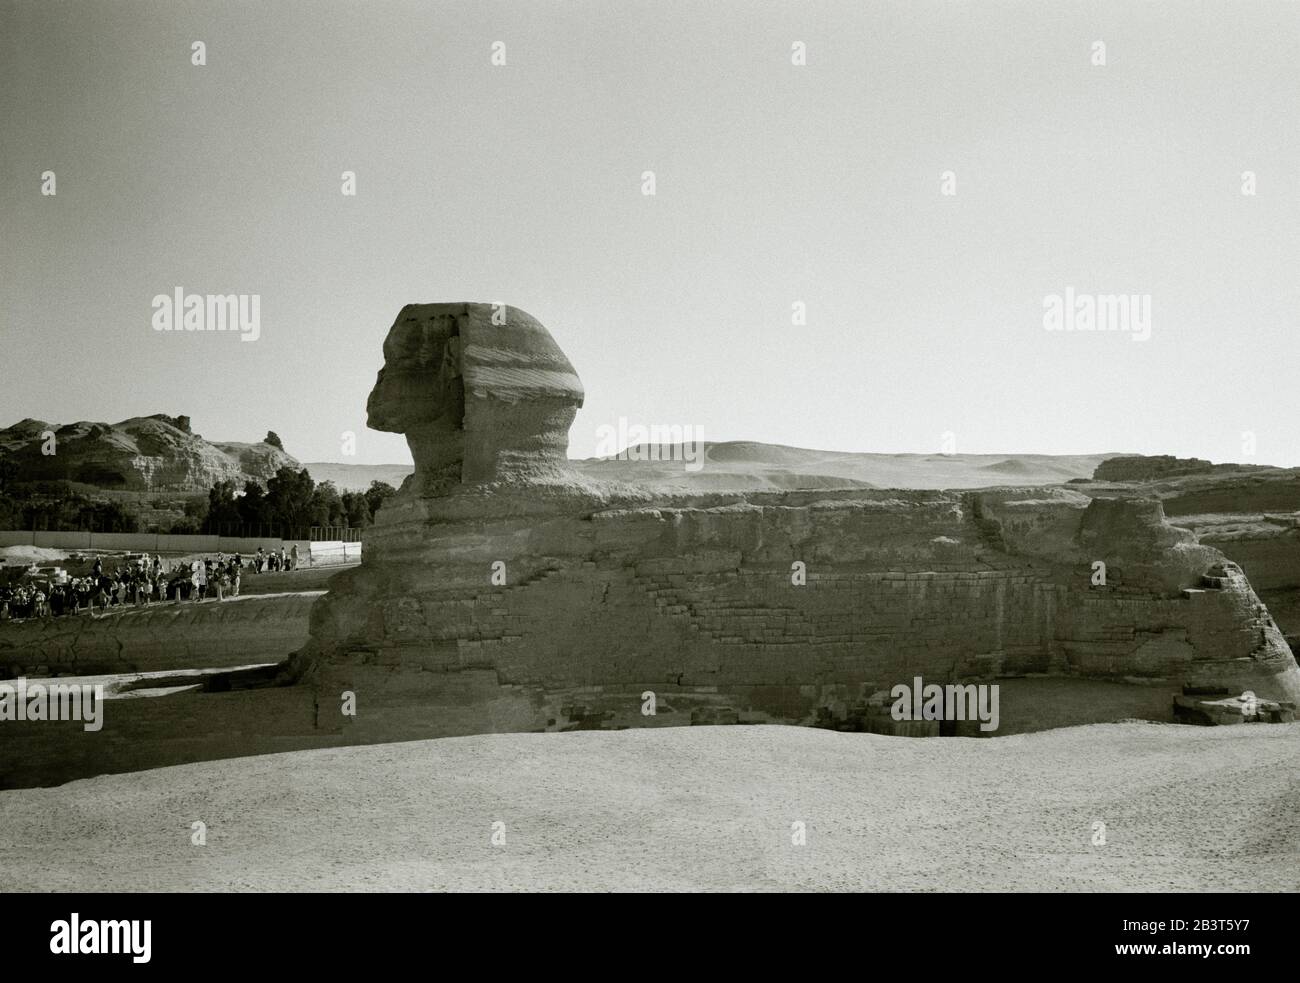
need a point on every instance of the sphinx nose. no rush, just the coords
(379, 381)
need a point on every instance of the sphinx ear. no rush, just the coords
(449, 371)
(451, 357)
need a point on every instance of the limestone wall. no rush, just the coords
(188, 635)
(698, 603)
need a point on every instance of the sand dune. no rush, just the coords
(700, 808)
(357, 477)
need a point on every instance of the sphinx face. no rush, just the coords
(420, 393)
(420, 384)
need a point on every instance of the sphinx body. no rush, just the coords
(499, 591)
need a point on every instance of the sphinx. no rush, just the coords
(501, 590)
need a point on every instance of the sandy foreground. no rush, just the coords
(691, 808)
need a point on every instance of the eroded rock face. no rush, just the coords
(148, 453)
(501, 592)
(162, 637)
(1141, 467)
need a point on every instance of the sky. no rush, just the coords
(776, 184)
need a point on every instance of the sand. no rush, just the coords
(734, 467)
(698, 808)
(27, 555)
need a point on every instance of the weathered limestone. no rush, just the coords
(607, 595)
(162, 636)
(482, 393)
(1227, 710)
(1149, 468)
(145, 454)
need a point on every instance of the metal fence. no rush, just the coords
(228, 530)
(280, 530)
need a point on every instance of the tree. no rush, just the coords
(8, 473)
(288, 497)
(252, 505)
(273, 439)
(378, 493)
(356, 509)
(106, 517)
(185, 526)
(326, 506)
(222, 508)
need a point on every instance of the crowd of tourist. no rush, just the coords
(140, 582)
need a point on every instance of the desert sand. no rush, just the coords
(27, 555)
(699, 808)
(744, 466)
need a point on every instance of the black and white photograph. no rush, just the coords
(651, 447)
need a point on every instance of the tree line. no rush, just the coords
(291, 500)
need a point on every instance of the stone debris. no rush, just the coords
(1227, 710)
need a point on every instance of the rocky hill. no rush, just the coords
(155, 453)
(1160, 467)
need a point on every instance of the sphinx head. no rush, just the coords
(481, 391)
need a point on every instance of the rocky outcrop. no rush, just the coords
(1251, 514)
(1140, 467)
(258, 461)
(148, 454)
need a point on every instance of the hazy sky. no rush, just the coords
(775, 184)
